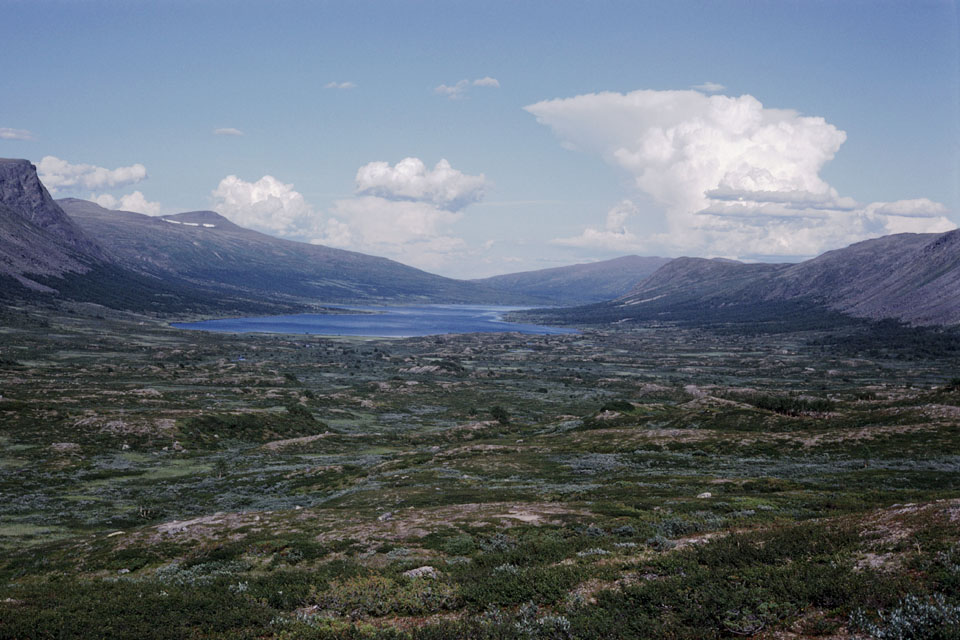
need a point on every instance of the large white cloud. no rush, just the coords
(135, 202)
(265, 205)
(404, 211)
(443, 186)
(58, 175)
(733, 177)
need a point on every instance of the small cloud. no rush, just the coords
(486, 81)
(135, 202)
(459, 90)
(340, 85)
(227, 131)
(613, 236)
(60, 174)
(15, 134)
(454, 92)
(709, 87)
(917, 208)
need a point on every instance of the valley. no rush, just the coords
(649, 481)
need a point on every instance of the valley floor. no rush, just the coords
(651, 482)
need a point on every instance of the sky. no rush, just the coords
(477, 138)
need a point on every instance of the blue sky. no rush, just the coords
(619, 155)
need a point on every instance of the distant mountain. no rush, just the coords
(914, 278)
(206, 249)
(579, 283)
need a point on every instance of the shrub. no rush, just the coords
(915, 618)
(379, 595)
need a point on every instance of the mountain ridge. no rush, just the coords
(579, 283)
(205, 248)
(912, 278)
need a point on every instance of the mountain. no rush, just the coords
(579, 283)
(206, 249)
(46, 256)
(37, 239)
(913, 278)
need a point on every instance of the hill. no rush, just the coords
(579, 283)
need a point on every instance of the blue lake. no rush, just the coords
(385, 322)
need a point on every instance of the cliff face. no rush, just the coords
(36, 237)
(22, 192)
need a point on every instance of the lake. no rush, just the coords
(383, 322)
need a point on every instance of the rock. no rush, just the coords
(384, 517)
(422, 572)
(705, 494)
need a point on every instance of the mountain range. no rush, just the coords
(200, 261)
(914, 278)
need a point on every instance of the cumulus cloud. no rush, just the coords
(709, 87)
(443, 186)
(227, 131)
(413, 232)
(266, 205)
(459, 90)
(135, 202)
(340, 85)
(486, 81)
(404, 211)
(58, 174)
(733, 177)
(613, 236)
(15, 134)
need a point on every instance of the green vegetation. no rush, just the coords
(646, 482)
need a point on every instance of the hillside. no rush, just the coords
(579, 283)
(206, 249)
(913, 278)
